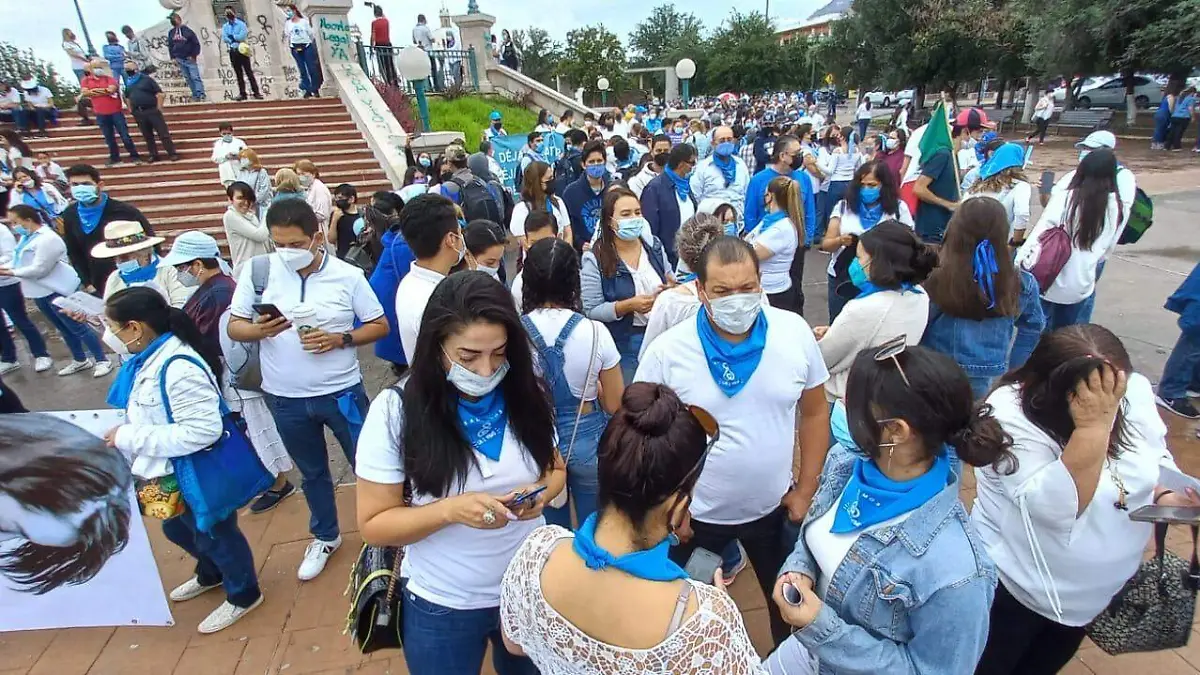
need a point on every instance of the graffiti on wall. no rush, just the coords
(336, 36)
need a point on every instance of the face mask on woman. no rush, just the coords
(246, 164)
(630, 229)
(424, 161)
(115, 343)
(468, 382)
(891, 143)
(869, 194)
(306, 181)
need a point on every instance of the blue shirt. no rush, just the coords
(1183, 107)
(393, 265)
(756, 192)
(115, 55)
(234, 33)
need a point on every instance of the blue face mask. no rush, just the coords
(549, 119)
(290, 14)
(128, 266)
(858, 276)
(541, 146)
(725, 149)
(869, 195)
(731, 229)
(85, 193)
(424, 161)
(630, 228)
(595, 170)
(20, 230)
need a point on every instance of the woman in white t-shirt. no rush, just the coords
(466, 453)
(608, 599)
(1002, 177)
(1090, 446)
(862, 117)
(776, 240)
(18, 151)
(75, 53)
(579, 362)
(301, 40)
(537, 194)
(873, 196)
(1090, 211)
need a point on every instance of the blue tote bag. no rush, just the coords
(219, 480)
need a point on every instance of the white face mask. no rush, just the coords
(296, 259)
(471, 383)
(735, 313)
(891, 143)
(462, 252)
(114, 343)
(188, 279)
(493, 272)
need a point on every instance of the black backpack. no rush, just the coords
(478, 200)
(567, 169)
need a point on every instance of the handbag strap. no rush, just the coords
(406, 499)
(162, 384)
(586, 380)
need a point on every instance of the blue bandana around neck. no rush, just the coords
(131, 80)
(870, 216)
(142, 274)
(89, 215)
(685, 277)
(42, 204)
(728, 168)
(21, 245)
(871, 498)
(683, 189)
(985, 270)
(484, 422)
(769, 220)
(731, 365)
(652, 564)
(122, 386)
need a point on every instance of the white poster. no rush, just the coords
(73, 547)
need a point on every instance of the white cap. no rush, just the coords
(1099, 139)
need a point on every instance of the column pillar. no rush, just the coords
(474, 31)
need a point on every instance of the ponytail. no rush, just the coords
(786, 192)
(148, 306)
(983, 442)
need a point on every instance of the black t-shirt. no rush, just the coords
(143, 92)
(931, 219)
(345, 233)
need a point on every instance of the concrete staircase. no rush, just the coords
(187, 195)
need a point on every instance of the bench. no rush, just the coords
(1000, 118)
(1091, 120)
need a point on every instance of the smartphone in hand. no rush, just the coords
(267, 309)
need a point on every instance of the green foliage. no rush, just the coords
(540, 54)
(17, 64)
(593, 52)
(747, 57)
(666, 36)
(469, 115)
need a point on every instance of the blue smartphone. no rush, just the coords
(527, 496)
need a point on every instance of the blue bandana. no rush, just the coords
(21, 245)
(683, 189)
(871, 498)
(769, 220)
(484, 422)
(122, 386)
(685, 277)
(142, 274)
(869, 288)
(42, 204)
(731, 365)
(985, 270)
(89, 215)
(652, 564)
(870, 216)
(728, 168)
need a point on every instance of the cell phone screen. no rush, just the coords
(268, 310)
(702, 565)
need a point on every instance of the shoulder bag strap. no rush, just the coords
(260, 275)
(582, 400)
(162, 384)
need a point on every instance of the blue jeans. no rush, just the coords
(1182, 370)
(837, 192)
(76, 335)
(1061, 316)
(1089, 303)
(110, 126)
(21, 118)
(12, 303)
(222, 556)
(301, 423)
(443, 641)
(190, 70)
(582, 479)
(308, 67)
(629, 349)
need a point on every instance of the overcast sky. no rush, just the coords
(41, 28)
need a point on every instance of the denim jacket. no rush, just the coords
(986, 348)
(912, 598)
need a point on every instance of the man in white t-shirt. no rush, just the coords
(753, 367)
(304, 324)
(431, 227)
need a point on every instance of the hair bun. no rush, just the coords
(648, 411)
(924, 260)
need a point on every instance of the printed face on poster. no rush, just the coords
(73, 546)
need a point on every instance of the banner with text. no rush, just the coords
(508, 153)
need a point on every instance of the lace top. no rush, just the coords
(713, 641)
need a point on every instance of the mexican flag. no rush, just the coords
(937, 137)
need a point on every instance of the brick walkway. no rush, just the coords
(298, 630)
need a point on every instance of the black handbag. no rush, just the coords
(376, 619)
(1155, 608)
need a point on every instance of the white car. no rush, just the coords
(1108, 91)
(882, 98)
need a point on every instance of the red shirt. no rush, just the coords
(102, 105)
(380, 33)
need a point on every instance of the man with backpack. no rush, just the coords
(569, 167)
(478, 199)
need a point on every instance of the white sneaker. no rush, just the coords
(225, 616)
(102, 368)
(315, 557)
(76, 367)
(43, 363)
(1191, 393)
(8, 366)
(190, 589)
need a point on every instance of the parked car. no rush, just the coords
(1108, 91)
(889, 98)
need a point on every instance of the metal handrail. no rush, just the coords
(450, 67)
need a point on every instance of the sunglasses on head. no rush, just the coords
(892, 349)
(711, 429)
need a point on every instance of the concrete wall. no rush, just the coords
(508, 82)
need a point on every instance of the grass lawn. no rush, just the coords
(469, 115)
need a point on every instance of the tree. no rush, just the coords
(593, 52)
(748, 56)
(540, 54)
(666, 36)
(17, 64)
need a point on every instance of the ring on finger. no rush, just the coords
(489, 517)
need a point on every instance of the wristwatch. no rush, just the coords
(347, 340)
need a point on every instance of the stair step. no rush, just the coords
(216, 203)
(66, 143)
(287, 153)
(156, 190)
(311, 143)
(130, 174)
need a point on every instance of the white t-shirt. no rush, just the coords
(578, 351)
(645, 282)
(852, 224)
(863, 112)
(1044, 109)
(518, 285)
(411, 297)
(912, 149)
(458, 566)
(687, 209)
(781, 239)
(39, 98)
(1090, 555)
(516, 224)
(339, 293)
(829, 549)
(1077, 280)
(73, 50)
(298, 32)
(750, 468)
(1126, 191)
(1015, 199)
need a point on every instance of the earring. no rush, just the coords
(890, 451)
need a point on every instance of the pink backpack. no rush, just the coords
(1049, 257)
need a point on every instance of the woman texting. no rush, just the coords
(141, 326)
(891, 575)
(468, 432)
(978, 297)
(608, 599)
(777, 240)
(622, 274)
(578, 359)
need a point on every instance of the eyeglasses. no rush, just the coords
(891, 350)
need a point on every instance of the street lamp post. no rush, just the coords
(414, 66)
(86, 36)
(685, 70)
(602, 85)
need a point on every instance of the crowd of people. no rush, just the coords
(581, 450)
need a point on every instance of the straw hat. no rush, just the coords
(124, 236)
